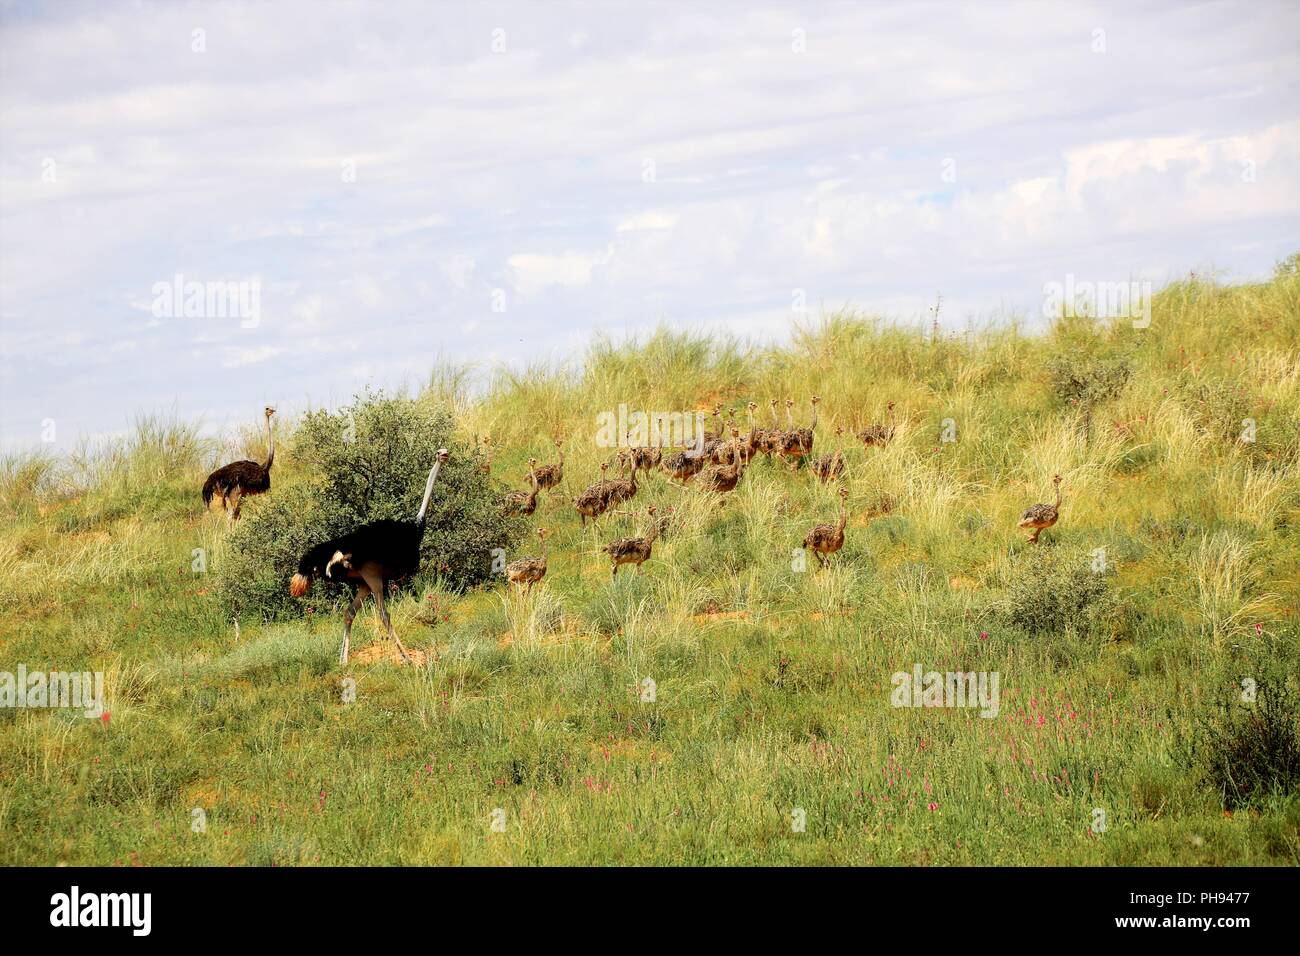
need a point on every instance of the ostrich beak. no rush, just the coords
(299, 584)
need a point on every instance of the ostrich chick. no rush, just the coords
(634, 551)
(367, 559)
(1038, 517)
(828, 538)
(594, 500)
(829, 467)
(520, 503)
(550, 476)
(879, 435)
(528, 571)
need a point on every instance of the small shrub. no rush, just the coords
(1249, 752)
(1050, 592)
(365, 462)
(1088, 382)
(1288, 268)
(27, 479)
(1220, 405)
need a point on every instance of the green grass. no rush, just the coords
(772, 687)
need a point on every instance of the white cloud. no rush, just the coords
(531, 272)
(647, 220)
(235, 358)
(775, 170)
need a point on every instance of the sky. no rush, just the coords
(398, 184)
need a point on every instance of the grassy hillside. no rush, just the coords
(772, 685)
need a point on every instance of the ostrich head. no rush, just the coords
(268, 411)
(816, 399)
(844, 492)
(314, 564)
(1056, 479)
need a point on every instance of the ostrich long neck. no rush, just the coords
(428, 491)
(844, 519)
(814, 419)
(1058, 495)
(270, 445)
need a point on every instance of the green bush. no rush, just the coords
(1054, 591)
(1250, 751)
(1088, 382)
(365, 462)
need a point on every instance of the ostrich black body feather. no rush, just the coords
(248, 476)
(392, 546)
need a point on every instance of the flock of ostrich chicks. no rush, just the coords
(379, 552)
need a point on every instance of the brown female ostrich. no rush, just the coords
(829, 467)
(233, 482)
(879, 435)
(1039, 517)
(634, 551)
(516, 503)
(828, 538)
(367, 559)
(550, 476)
(528, 571)
(797, 443)
(594, 500)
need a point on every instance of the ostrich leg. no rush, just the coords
(237, 494)
(376, 585)
(348, 616)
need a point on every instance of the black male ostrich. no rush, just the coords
(367, 559)
(232, 482)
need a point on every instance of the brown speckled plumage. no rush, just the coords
(634, 551)
(879, 435)
(826, 539)
(830, 466)
(528, 571)
(549, 476)
(682, 467)
(1039, 517)
(594, 500)
(797, 443)
(523, 502)
(724, 478)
